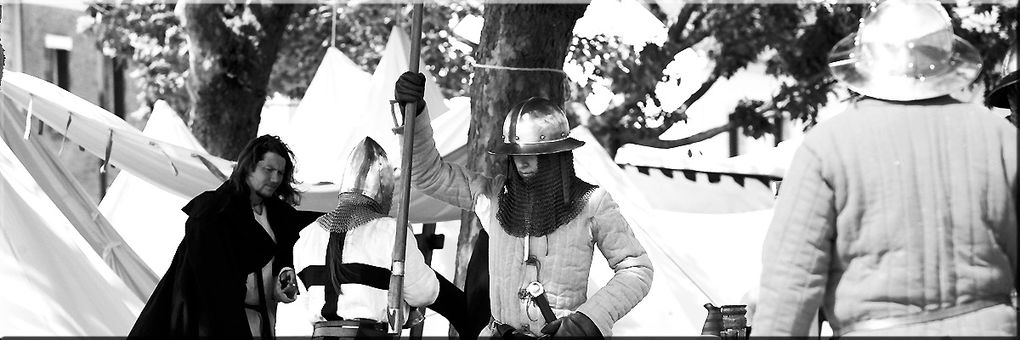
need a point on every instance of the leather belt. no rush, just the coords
(921, 317)
(504, 331)
(345, 328)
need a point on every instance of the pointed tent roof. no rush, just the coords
(54, 283)
(276, 115)
(394, 62)
(322, 122)
(338, 110)
(132, 204)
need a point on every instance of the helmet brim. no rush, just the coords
(963, 68)
(999, 96)
(536, 148)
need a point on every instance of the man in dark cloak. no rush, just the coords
(231, 236)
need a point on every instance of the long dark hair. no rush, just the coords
(252, 154)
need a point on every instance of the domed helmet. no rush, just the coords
(905, 50)
(999, 96)
(366, 189)
(535, 126)
(369, 173)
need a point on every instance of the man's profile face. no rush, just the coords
(267, 175)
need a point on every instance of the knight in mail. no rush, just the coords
(543, 224)
(343, 258)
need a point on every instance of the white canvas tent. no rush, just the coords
(148, 217)
(132, 203)
(277, 114)
(696, 256)
(681, 248)
(54, 283)
(338, 110)
(344, 104)
(704, 193)
(73, 202)
(180, 170)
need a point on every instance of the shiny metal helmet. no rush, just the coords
(369, 173)
(535, 126)
(999, 95)
(905, 50)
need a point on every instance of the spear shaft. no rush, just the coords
(394, 310)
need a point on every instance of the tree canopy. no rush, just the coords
(150, 36)
(791, 40)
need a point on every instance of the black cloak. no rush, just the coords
(203, 291)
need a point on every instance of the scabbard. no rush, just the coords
(543, 305)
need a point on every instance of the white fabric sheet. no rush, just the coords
(54, 283)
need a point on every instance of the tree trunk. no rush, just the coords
(3, 55)
(232, 51)
(520, 36)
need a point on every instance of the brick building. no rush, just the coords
(42, 39)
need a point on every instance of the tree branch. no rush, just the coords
(684, 17)
(695, 36)
(674, 116)
(655, 142)
(463, 40)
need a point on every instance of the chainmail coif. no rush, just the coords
(550, 199)
(352, 210)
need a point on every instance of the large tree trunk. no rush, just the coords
(232, 51)
(520, 36)
(3, 55)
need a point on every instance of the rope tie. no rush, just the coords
(522, 69)
(28, 117)
(211, 167)
(106, 156)
(67, 128)
(168, 159)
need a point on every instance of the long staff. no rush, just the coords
(394, 310)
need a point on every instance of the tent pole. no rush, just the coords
(394, 310)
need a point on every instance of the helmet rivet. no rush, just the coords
(517, 137)
(542, 137)
(563, 134)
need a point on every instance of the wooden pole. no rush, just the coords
(394, 310)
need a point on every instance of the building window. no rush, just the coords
(58, 60)
(58, 67)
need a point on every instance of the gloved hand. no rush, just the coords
(573, 325)
(410, 88)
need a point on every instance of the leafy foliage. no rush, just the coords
(150, 36)
(793, 41)
(362, 32)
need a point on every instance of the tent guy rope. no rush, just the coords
(521, 69)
